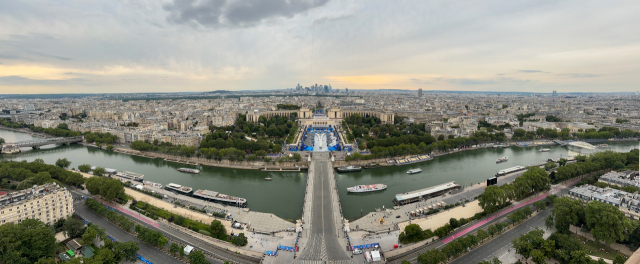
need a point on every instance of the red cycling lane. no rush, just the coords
(131, 214)
(473, 227)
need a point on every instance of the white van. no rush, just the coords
(357, 251)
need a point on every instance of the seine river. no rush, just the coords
(284, 195)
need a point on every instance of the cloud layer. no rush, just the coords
(201, 45)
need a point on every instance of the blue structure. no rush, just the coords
(308, 142)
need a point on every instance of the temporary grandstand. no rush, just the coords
(320, 138)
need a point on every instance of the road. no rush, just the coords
(501, 244)
(323, 239)
(147, 251)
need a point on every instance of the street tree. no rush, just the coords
(197, 257)
(73, 227)
(606, 222)
(84, 168)
(412, 233)
(537, 256)
(482, 235)
(526, 243)
(218, 230)
(550, 165)
(126, 251)
(433, 256)
(63, 163)
(89, 236)
(492, 199)
(174, 248)
(98, 171)
(566, 212)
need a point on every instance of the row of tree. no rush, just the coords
(596, 162)
(496, 197)
(460, 245)
(118, 219)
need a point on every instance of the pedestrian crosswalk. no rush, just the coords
(316, 249)
(302, 261)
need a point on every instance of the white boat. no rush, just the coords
(189, 170)
(153, 184)
(602, 146)
(545, 150)
(414, 171)
(367, 188)
(503, 159)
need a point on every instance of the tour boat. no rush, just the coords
(189, 170)
(367, 188)
(349, 169)
(545, 150)
(179, 188)
(414, 171)
(267, 179)
(503, 159)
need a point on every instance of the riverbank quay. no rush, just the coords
(253, 250)
(27, 131)
(257, 222)
(392, 221)
(218, 250)
(413, 251)
(245, 165)
(413, 159)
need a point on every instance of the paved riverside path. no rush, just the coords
(322, 215)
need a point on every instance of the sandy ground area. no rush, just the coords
(437, 220)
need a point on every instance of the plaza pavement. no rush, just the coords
(370, 221)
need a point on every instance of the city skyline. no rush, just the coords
(197, 46)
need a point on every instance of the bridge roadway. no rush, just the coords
(36, 143)
(323, 220)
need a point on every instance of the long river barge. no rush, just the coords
(210, 196)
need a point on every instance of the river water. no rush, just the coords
(283, 196)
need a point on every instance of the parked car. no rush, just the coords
(357, 251)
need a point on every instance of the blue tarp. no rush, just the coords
(143, 259)
(271, 253)
(366, 246)
(286, 248)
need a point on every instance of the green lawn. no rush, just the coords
(166, 215)
(592, 248)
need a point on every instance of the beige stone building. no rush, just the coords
(48, 202)
(333, 116)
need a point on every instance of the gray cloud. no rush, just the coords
(529, 71)
(19, 80)
(470, 81)
(414, 80)
(498, 81)
(9, 56)
(580, 75)
(240, 13)
(324, 20)
(51, 56)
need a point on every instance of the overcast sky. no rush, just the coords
(98, 46)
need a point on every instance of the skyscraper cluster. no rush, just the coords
(315, 88)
